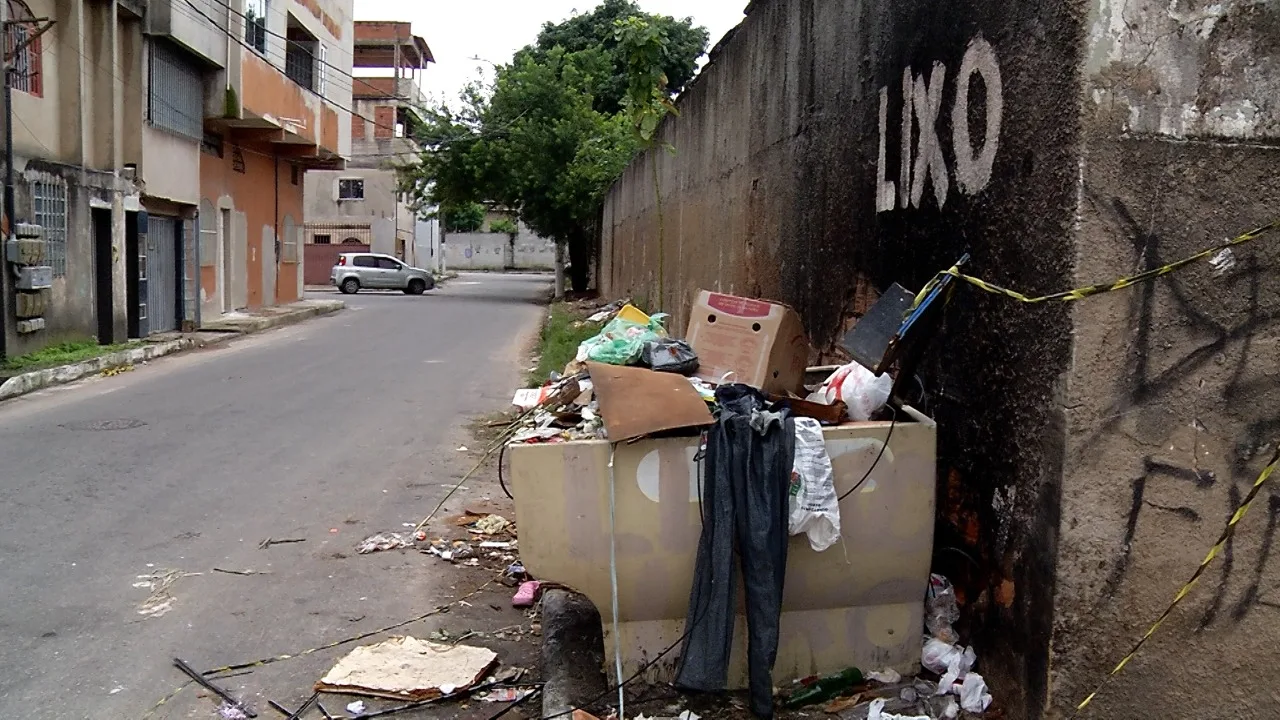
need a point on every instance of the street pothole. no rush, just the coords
(104, 425)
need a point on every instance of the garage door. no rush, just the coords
(162, 273)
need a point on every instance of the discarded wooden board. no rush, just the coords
(406, 668)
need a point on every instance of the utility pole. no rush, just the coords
(9, 219)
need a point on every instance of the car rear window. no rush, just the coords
(365, 261)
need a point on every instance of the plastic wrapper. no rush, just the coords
(669, 355)
(941, 610)
(858, 387)
(622, 341)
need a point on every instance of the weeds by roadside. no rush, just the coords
(63, 353)
(565, 328)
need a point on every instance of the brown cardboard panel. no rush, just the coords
(635, 402)
(763, 344)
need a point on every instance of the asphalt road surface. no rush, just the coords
(328, 431)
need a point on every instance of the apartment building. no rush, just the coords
(160, 147)
(360, 207)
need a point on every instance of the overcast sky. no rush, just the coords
(458, 30)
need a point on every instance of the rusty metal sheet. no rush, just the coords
(635, 402)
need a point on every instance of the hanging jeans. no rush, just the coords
(748, 472)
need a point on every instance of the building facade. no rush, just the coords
(362, 205)
(160, 146)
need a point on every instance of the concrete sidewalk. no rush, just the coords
(223, 328)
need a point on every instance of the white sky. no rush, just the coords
(458, 30)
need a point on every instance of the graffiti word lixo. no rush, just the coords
(922, 105)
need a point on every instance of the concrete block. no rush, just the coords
(572, 653)
(34, 277)
(28, 230)
(30, 304)
(25, 251)
(26, 327)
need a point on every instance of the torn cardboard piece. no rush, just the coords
(406, 668)
(635, 402)
(760, 343)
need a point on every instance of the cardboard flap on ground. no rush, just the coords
(762, 343)
(635, 402)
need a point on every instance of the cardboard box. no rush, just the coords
(762, 343)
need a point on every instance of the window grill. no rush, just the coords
(49, 200)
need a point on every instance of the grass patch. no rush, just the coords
(561, 335)
(63, 353)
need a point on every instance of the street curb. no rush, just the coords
(39, 379)
(250, 325)
(26, 383)
(572, 653)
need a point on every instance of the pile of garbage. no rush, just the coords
(886, 695)
(729, 340)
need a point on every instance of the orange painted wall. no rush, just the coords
(254, 192)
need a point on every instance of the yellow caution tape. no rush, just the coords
(1223, 539)
(1100, 288)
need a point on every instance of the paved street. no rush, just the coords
(329, 431)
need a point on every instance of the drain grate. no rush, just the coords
(105, 425)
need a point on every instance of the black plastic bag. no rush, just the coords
(669, 355)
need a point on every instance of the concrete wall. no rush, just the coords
(1088, 454)
(793, 179)
(497, 251)
(1173, 388)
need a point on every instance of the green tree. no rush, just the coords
(463, 217)
(533, 143)
(684, 44)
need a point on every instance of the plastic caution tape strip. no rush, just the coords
(1214, 551)
(1091, 290)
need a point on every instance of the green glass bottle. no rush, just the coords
(825, 688)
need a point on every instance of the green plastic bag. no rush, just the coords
(621, 341)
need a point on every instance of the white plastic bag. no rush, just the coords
(876, 712)
(814, 506)
(858, 387)
(973, 693)
(937, 656)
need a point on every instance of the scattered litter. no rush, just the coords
(241, 572)
(1223, 261)
(814, 507)
(938, 656)
(356, 708)
(941, 610)
(408, 668)
(495, 545)
(515, 569)
(115, 690)
(951, 710)
(384, 541)
(333, 531)
(876, 712)
(272, 541)
(492, 525)
(451, 551)
(669, 355)
(462, 448)
(622, 340)
(973, 693)
(888, 677)
(507, 694)
(686, 715)
(825, 688)
(527, 594)
(160, 601)
(227, 711)
(839, 705)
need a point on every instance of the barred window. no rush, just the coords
(49, 198)
(176, 98)
(22, 45)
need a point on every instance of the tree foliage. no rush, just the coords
(549, 137)
(678, 60)
(463, 217)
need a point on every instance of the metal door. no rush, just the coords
(162, 273)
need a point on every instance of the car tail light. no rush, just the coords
(342, 259)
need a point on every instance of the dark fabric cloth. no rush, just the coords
(748, 471)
